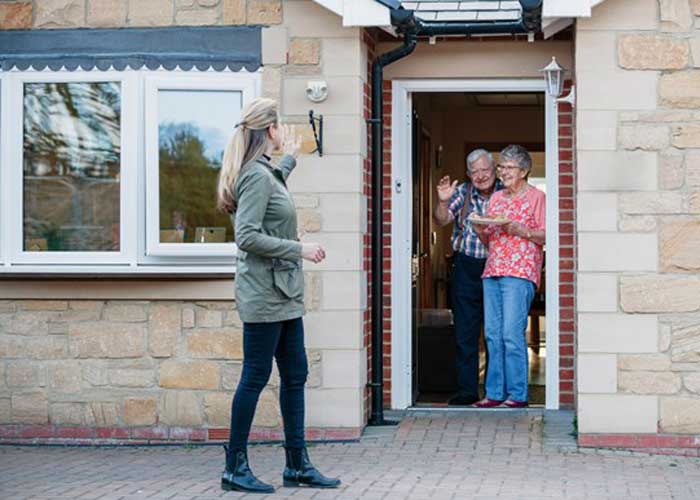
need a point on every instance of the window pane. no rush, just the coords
(71, 166)
(193, 128)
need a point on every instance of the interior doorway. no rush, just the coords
(443, 126)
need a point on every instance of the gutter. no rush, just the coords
(406, 24)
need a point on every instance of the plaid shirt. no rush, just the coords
(470, 243)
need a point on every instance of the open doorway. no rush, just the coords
(446, 126)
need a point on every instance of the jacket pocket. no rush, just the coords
(288, 278)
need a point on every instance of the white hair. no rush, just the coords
(476, 155)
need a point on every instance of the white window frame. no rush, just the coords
(243, 83)
(133, 258)
(13, 187)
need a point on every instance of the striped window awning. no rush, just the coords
(473, 10)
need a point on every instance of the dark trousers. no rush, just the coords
(468, 311)
(261, 341)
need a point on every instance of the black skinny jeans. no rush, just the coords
(261, 341)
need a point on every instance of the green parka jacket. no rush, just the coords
(269, 275)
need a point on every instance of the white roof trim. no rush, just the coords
(359, 12)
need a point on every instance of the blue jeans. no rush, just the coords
(261, 341)
(468, 311)
(506, 305)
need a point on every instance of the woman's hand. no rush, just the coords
(313, 252)
(517, 229)
(291, 143)
(446, 189)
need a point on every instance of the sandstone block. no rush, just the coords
(151, 13)
(140, 411)
(313, 291)
(644, 137)
(25, 373)
(30, 408)
(164, 327)
(659, 293)
(680, 246)
(695, 51)
(5, 411)
(217, 408)
(106, 13)
(652, 52)
(107, 340)
(675, 15)
(188, 318)
(692, 170)
(189, 375)
(268, 411)
(7, 306)
(669, 202)
(685, 342)
(15, 16)
(206, 318)
(648, 382)
(234, 11)
(230, 375)
(680, 89)
(34, 347)
(197, 17)
(305, 51)
(637, 223)
(306, 200)
(693, 199)
(664, 337)
(125, 313)
(105, 414)
(94, 373)
(691, 381)
(231, 318)
(671, 171)
(60, 14)
(65, 377)
(680, 415)
(131, 378)
(43, 305)
(272, 82)
(180, 408)
(86, 305)
(216, 343)
(28, 323)
(70, 414)
(309, 220)
(695, 7)
(644, 362)
(264, 12)
(686, 135)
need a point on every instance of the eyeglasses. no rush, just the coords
(507, 167)
(480, 172)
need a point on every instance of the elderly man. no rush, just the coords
(455, 203)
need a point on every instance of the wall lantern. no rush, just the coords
(554, 76)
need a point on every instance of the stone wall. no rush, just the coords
(124, 363)
(638, 70)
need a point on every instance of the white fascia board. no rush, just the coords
(335, 6)
(365, 13)
(552, 26)
(567, 8)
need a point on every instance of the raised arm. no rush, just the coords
(445, 190)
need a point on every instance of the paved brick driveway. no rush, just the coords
(434, 456)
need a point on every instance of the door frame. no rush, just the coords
(401, 199)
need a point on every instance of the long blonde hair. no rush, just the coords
(248, 143)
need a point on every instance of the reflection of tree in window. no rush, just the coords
(188, 179)
(71, 166)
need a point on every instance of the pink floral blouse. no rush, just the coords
(511, 255)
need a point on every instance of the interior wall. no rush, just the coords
(452, 123)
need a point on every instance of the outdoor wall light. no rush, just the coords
(554, 76)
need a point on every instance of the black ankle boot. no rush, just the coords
(238, 477)
(300, 472)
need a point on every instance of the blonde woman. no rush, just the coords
(269, 292)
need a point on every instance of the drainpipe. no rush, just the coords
(407, 24)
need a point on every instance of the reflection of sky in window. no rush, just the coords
(213, 112)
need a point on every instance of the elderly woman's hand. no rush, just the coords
(517, 229)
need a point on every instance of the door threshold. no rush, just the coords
(534, 409)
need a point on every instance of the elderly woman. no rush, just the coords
(511, 276)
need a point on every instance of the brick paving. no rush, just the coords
(430, 455)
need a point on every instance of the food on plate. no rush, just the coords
(495, 219)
